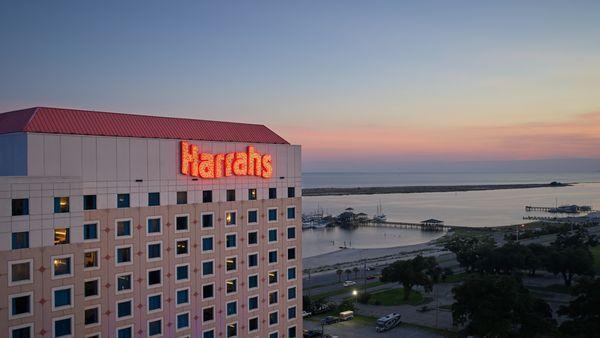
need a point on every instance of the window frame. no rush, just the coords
(98, 259)
(12, 316)
(132, 310)
(162, 328)
(124, 246)
(130, 220)
(187, 228)
(125, 291)
(97, 239)
(160, 268)
(10, 272)
(212, 225)
(188, 247)
(159, 233)
(151, 311)
(231, 225)
(99, 288)
(52, 268)
(177, 280)
(154, 259)
(248, 216)
(56, 319)
(95, 306)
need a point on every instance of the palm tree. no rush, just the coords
(339, 273)
(356, 270)
(348, 273)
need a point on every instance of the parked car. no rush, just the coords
(321, 309)
(369, 277)
(310, 333)
(306, 314)
(346, 315)
(329, 320)
(349, 283)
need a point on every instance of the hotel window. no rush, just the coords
(230, 264)
(123, 228)
(252, 194)
(272, 277)
(183, 321)
(231, 330)
(291, 312)
(63, 327)
(274, 335)
(154, 278)
(62, 236)
(61, 205)
(153, 199)
(231, 241)
(291, 254)
(252, 282)
(91, 288)
(272, 235)
(207, 244)
(291, 232)
(231, 308)
(182, 197)
(20, 272)
(252, 303)
(253, 260)
(154, 251)
(230, 218)
(122, 200)
(154, 226)
(125, 332)
(208, 291)
(181, 223)
(124, 309)
(291, 213)
(231, 286)
(208, 314)
(230, 195)
(272, 193)
(208, 268)
(155, 328)
(154, 302)
(22, 331)
(62, 298)
(21, 305)
(253, 324)
(89, 202)
(291, 273)
(291, 293)
(91, 316)
(292, 332)
(61, 266)
(291, 192)
(207, 220)
(252, 216)
(182, 272)
(272, 256)
(124, 282)
(182, 247)
(20, 240)
(209, 334)
(182, 296)
(273, 297)
(273, 319)
(123, 254)
(91, 259)
(272, 215)
(253, 238)
(20, 206)
(90, 231)
(207, 196)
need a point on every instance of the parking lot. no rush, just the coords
(360, 329)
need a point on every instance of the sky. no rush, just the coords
(356, 83)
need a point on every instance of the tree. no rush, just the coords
(416, 271)
(348, 273)
(583, 311)
(306, 303)
(536, 257)
(569, 262)
(339, 273)
(470, 250)
(355, 270)
(499, 306)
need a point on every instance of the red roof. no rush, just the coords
(85, 122)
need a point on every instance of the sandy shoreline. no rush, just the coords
(421, 189)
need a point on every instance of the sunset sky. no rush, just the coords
(381, 81)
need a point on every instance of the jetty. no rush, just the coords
(563, 209)
(427, 225)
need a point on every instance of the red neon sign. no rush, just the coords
(206, 165)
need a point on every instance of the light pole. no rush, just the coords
(355, 294)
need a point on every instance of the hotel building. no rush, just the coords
(118, 225)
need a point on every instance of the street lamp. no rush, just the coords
(355, 294)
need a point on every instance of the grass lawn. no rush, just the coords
(395, 297)
(346, 290)
(596, 253)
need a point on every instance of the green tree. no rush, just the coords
(339, 273)
(469, 251)
(583, 311)
(570, 261)
(499, 306)
(535, 258)
(416, 271)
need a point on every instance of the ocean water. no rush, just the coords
(472, 208)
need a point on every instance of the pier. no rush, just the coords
(423, 226)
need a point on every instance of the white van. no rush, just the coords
(346, 315)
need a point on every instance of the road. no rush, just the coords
(356, 329)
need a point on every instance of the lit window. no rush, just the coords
(231, 285)
(20, 207)
(90, 231)
(90, 259)
(61, 266)
(61, 204)
(89, 202)
(231, 330)
(230, 264)
(230, 218)
(272, 277)
(20, 240)
(182, 247)
(252, 194)
(62, 236)
(153, 199)
(122, 200)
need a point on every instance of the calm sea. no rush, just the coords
(473, 208)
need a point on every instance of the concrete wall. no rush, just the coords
(13, 154)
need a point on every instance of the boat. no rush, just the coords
(379, 216)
